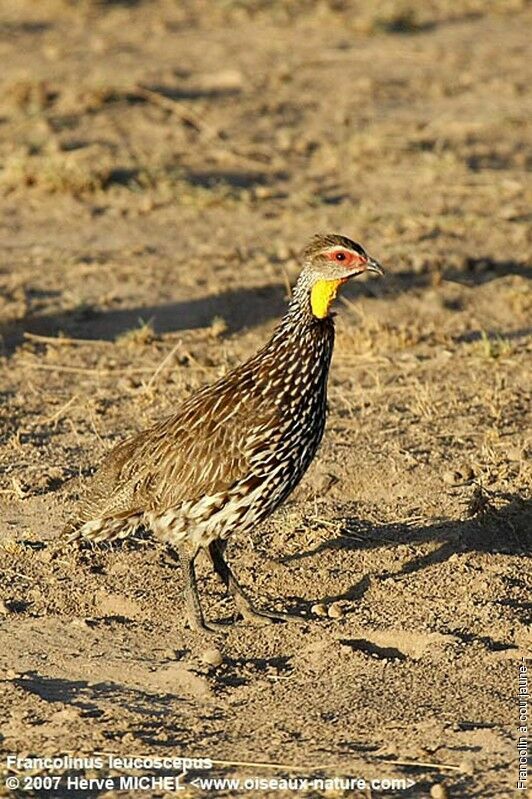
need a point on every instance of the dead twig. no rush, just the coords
(186, 114)
(161, 366)
(422, 764)
(334, 767)
(60, 412)
(84, 369)
(284, 766)
(62, 340)
(178, 108)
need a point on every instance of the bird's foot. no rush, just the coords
(208, 627)
(252, 614)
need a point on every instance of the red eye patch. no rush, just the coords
(343, 257)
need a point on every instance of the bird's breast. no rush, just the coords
(295, 381)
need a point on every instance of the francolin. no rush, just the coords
(234, 450)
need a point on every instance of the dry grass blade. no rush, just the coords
(422, 764)
(284, 766)
(334, 767)
(63, 340)
(61, 411)
(189, 116)
(179, 109)
(161, 366)
(50, 367)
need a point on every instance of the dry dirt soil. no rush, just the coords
(161, 165)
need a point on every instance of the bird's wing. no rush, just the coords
(202, 450)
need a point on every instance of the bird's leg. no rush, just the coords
(192, 600)
(242, 602)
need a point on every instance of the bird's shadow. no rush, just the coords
(239, 309)
(503, 529)
(243, 308)
(86, 696)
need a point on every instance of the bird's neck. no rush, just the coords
(306, 316)
(312, 300)
(298, 356)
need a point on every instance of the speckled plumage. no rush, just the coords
(203, 470)
(232, 452)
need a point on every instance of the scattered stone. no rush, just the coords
(465, 473)
(4, 608)
(224, 81)
(516, 453)
(66, 714)
(322, 483)
(263, 192)
(212, 657)
(178, 677)
(457, 476)
(466, 766)
(78, 623)
(335, 611)
(449, 477)
(439, 792)
(319, 610)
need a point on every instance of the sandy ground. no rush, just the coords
(161, 165)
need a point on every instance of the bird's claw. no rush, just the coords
(249, 613)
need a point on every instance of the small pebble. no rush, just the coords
(66, 714)
(212, 657)
(263, 192)
(450, 477)
(466, 766)
(12, 675)
(336, 611)
(439, 792)
(463, 474)
(3, 607)
(319, 609)
(79, 623)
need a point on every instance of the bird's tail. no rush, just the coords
(101, 529)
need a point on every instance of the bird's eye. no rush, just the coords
(340, 256)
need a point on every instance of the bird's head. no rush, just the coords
(329, 261)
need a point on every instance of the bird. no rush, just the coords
(232, 452)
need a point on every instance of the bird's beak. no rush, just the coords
(374, 266)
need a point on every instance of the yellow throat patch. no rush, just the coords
(322, 295)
